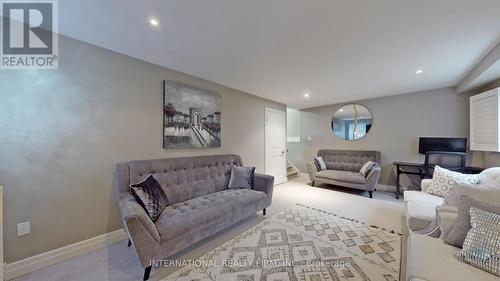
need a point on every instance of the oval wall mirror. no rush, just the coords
(352, 122)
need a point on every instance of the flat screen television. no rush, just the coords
(442, 144)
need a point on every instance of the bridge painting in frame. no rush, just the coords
(191, 117)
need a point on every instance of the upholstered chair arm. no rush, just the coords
(264, 183)
(372, 178)
(425, 184)
(138, 224)
(446, 216)
(312, 170)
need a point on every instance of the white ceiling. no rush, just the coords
(338, 50)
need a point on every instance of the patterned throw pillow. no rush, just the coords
(443, 180)
(241, 177)
(150, 196)
(320, 163)
(482, 244)
(367, 168)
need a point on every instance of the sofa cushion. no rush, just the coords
(487, 193)
(200, 212)
(345, 176)
(431, 259)
(411, 195)
(347, 160)
(184, 178)
(490, 176)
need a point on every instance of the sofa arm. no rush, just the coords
(446, 216)
(425, 184)
(136, 221)
(372, 178)
(264, 183)
(312, 170)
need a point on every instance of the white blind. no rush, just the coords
(484, 127)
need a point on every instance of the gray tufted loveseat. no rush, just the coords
(200, 204)
(343, 169)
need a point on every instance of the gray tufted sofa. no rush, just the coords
(200, 204)
(343, 169)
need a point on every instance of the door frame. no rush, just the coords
(267, 110)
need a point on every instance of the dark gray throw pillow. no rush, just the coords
(150, 196)
(320, 163)
(367, 168)
(241, 177)
(461, 225)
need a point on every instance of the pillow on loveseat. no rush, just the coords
(367, 168)
(443, 180)
(241, 177)
(150, 196)
(320, 163)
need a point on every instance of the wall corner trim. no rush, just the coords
(34, 263)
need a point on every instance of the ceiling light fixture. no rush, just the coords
(419, 71)
(306, 95)
(153, 22)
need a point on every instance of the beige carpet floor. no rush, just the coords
(119, 263)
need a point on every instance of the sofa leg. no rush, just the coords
(147, 271)
(312, 183)
(264, 211)
(371, 194)
(129, 243)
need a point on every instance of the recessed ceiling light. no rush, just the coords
(341, 110)
(306, 95)
(419, 71)
(153, 22)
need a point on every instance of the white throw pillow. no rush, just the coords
(484, 193)
(443, 180)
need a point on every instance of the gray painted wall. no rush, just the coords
(398, 123)
(64, 130)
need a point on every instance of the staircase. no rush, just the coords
(291, 170)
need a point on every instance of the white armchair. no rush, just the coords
(421, 207)
(430, 258)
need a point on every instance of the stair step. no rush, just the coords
(291, 171)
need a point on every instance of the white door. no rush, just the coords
(276, 145)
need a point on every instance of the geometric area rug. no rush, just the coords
(303, 244)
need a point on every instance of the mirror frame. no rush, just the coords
(348, 104)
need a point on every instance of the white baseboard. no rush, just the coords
(27, 265)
